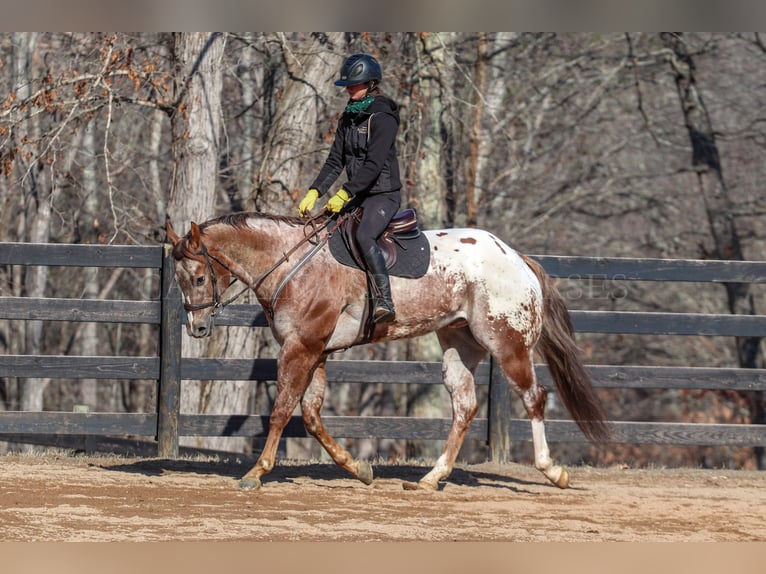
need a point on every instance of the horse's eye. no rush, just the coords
(200, 280)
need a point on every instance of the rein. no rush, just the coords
(217, 304)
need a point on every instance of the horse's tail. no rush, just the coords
(561, 353)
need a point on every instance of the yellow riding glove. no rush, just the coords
(307, 203)
(337, 201)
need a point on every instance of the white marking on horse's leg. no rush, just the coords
(556, 474)
(542, 453)
(440, 471)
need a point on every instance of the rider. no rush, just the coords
(365, 144)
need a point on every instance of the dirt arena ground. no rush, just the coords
(62, 498)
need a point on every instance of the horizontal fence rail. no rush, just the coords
(646, 269)
(169, 368)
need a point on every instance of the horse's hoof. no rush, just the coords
(364, 472)
(419, 486)
(249, 483)
(563, 481)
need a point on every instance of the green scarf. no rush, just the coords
(355, 107)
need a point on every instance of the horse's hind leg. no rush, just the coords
(462, 354)
(521, 374)
(311, 405)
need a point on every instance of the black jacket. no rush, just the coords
(365, 144)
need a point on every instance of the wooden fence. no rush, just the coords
(169, 368)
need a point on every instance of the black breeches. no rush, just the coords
(377, 213)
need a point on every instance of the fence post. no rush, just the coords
(499, 415)
(169, 391)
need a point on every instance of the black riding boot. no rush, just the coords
(383, 308)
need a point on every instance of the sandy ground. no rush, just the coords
(61, 498)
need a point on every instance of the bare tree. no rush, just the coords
(475, 132)
(433, 155)
(714, 191)
(291, 136)
(196, 128)
(36, 187)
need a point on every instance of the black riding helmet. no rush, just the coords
(359, 69)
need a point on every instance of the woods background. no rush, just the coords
(645, 145)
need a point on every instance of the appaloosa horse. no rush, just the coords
(478, 295)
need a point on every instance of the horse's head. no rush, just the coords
(201, 277)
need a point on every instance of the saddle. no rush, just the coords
(402, 227)
(405, 249)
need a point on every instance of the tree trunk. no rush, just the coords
(196, 126)
(432, 164)
(138, 396)
(472, 189)
(718, 206)
(495, 89)
(196, 129)
(36, 216)
(282, 177)
(89, 337)
(445, 72)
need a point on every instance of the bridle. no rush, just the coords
(217, 304)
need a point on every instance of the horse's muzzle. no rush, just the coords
(199, 329)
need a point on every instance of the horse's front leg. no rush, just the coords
(296, 364)
(311, 405)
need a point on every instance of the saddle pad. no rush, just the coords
(412, 261)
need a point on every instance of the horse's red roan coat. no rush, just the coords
(478, 296)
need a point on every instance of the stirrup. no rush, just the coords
(382, 313)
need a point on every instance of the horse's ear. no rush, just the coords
(194, 237)
(172, 235)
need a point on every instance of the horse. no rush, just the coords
(478, 295)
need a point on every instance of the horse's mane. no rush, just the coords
(240, 219)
